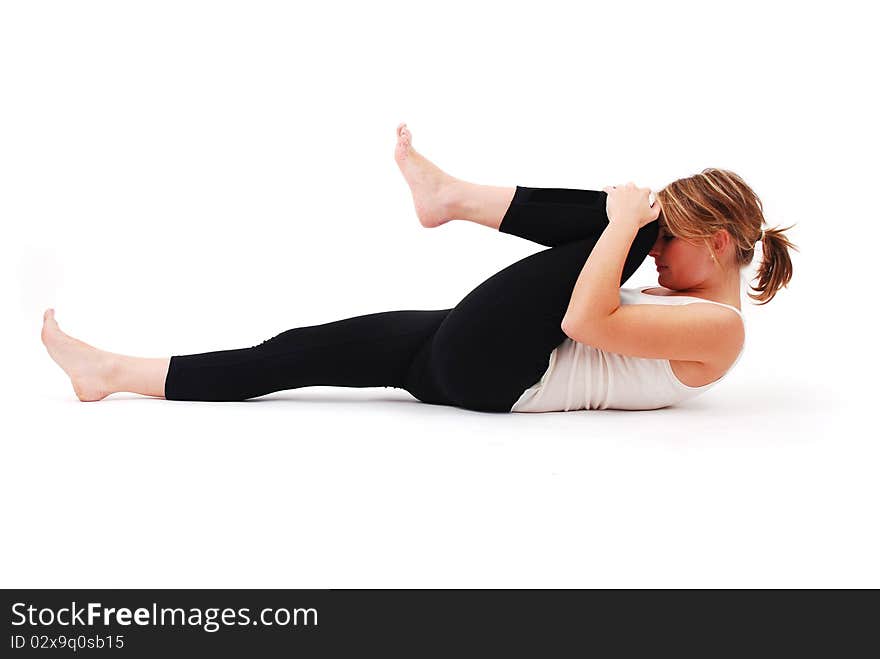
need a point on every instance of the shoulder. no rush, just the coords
(722, 316)
(727, 322)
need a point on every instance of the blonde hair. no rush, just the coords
(696, 207)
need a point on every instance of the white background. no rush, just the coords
(179, 177)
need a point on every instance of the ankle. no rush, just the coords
(482, 204)
(459, 202)
(111, 368)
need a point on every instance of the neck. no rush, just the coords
(721, 287)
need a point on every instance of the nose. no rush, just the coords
(655, 250)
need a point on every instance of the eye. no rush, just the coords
(668, 237)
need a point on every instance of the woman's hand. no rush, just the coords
(627, 203)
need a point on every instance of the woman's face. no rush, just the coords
(683, 264)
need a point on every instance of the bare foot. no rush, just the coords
(89, 369)
(433, 190)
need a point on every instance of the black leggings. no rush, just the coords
(480, 355)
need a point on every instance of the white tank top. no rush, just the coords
(581, 377)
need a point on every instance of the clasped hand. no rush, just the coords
(627, 203)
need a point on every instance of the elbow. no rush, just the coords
(569, 328)
(577, 330)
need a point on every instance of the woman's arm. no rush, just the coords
(596, 293)
(694, 332)
(703, 333)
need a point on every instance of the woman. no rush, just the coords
(551, 332)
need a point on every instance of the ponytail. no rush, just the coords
(775, 269)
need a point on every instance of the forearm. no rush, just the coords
(596, 294)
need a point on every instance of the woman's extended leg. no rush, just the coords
(373, 350)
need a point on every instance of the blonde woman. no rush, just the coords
(552, 332)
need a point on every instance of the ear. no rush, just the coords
(721, 240)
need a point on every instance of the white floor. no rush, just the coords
(765, 482)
